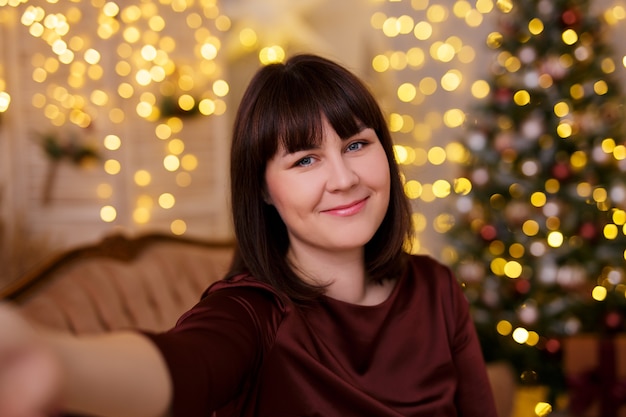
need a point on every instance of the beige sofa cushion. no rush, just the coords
(144, 283)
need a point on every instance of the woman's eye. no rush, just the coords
(304, 162)
(355, 146)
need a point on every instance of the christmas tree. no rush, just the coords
(539, 236)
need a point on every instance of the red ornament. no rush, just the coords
(571, 17)
(488, 232)
(553, 345)
(522, 286)
(613, 320)
(561, 171)
(588, 231)
(503, 95)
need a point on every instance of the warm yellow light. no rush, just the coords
(112, 142)
(380, 63)
(189, 162)
(480, 89)
(600, 87)
(542, 409)
(186, 102)
(451, 80)
(108, 214)
(497, 266)
(405, 24)
(142, 178)
(578, 160)
(535, 26)
(564, 129)
(99, 97)
(167, 200)
(391, 27)
(454, 118)
(428, 86)
(619, 217)
(513, 269)
(504, 5)
(521, 97)
(494, 40)
(538, 199)
(5, 101)
(112, 167)
(272, 54)
(400, 153)
(110, 9)
(520, 335)
(512, 64)
(445, 52)
(171, 163)
(599, 293)
(504, 328)
(207, 106)
(441, 188)
(608, 66)
(208, 51)
(561, 109)
(610, 231)
(92, 56)
(406, 92)
(248, 37)
(413, 189)
(462, 186)
(555, 239)
(569, 36)
(517, 250)
(423, 31)
(143, 77)
(148, 52)
(144, 109)
(436, 155)
(176, 146)
(530, 227)
(461, 8)
(178, 227)
(437, 13)
(533, 338)
(141, 215)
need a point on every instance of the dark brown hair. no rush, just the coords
(284, 105)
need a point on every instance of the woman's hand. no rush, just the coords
(30, 371)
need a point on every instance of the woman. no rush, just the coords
(323, 312)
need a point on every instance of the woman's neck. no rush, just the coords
(343, 274)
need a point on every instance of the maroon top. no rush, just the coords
(242, 352)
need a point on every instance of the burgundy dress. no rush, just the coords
(242, 352)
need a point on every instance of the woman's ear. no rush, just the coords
(267, 198)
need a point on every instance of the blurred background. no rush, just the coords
(507, 117)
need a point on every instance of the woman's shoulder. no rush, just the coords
(247, 286)
(426, 264)
(426, 270)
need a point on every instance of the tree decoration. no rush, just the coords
(539, 242)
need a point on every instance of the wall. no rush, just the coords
(32, 229)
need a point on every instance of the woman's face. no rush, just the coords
(334, 197)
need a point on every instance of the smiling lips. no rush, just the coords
(347, 210)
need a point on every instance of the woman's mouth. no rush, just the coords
(347, 209)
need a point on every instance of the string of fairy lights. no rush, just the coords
(146, 71)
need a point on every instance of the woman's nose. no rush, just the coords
(341, 175)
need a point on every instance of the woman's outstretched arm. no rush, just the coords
(116, 374)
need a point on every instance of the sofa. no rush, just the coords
(143, 282)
